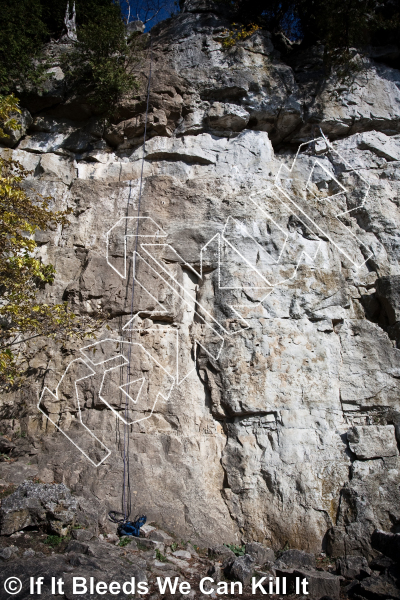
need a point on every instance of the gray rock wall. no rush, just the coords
(264, 347)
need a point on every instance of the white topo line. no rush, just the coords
(150, 241)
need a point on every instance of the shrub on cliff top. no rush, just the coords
(22, 32)
(101, 64)
(27, 24)
(339, 25)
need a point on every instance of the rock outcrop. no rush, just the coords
(49, 507)
(118, 567)
(263, 348)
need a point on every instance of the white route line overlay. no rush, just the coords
(94, 363)
(124, 364)
(219, 237)
(328, 198)
(168, 330)
(46, 389)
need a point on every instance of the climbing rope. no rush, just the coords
(126, 527)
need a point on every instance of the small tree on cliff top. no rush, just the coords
(22, 316)
(101, 64)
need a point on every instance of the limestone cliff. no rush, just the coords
(265, 296)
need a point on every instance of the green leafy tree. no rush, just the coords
(22, 316)
(102, 62)
(8, 110)
(26, 25)
(22, 32)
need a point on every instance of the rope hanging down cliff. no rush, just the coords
(127, 527)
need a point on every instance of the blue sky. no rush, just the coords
(152, 11)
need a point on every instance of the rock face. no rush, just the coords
(353, 567)
(387, 543)
(50, 507)
(372, 442)
(321, 584)
(261, 323)
(296, 559)
(260, 553)
(97, 561)
(241, 569)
